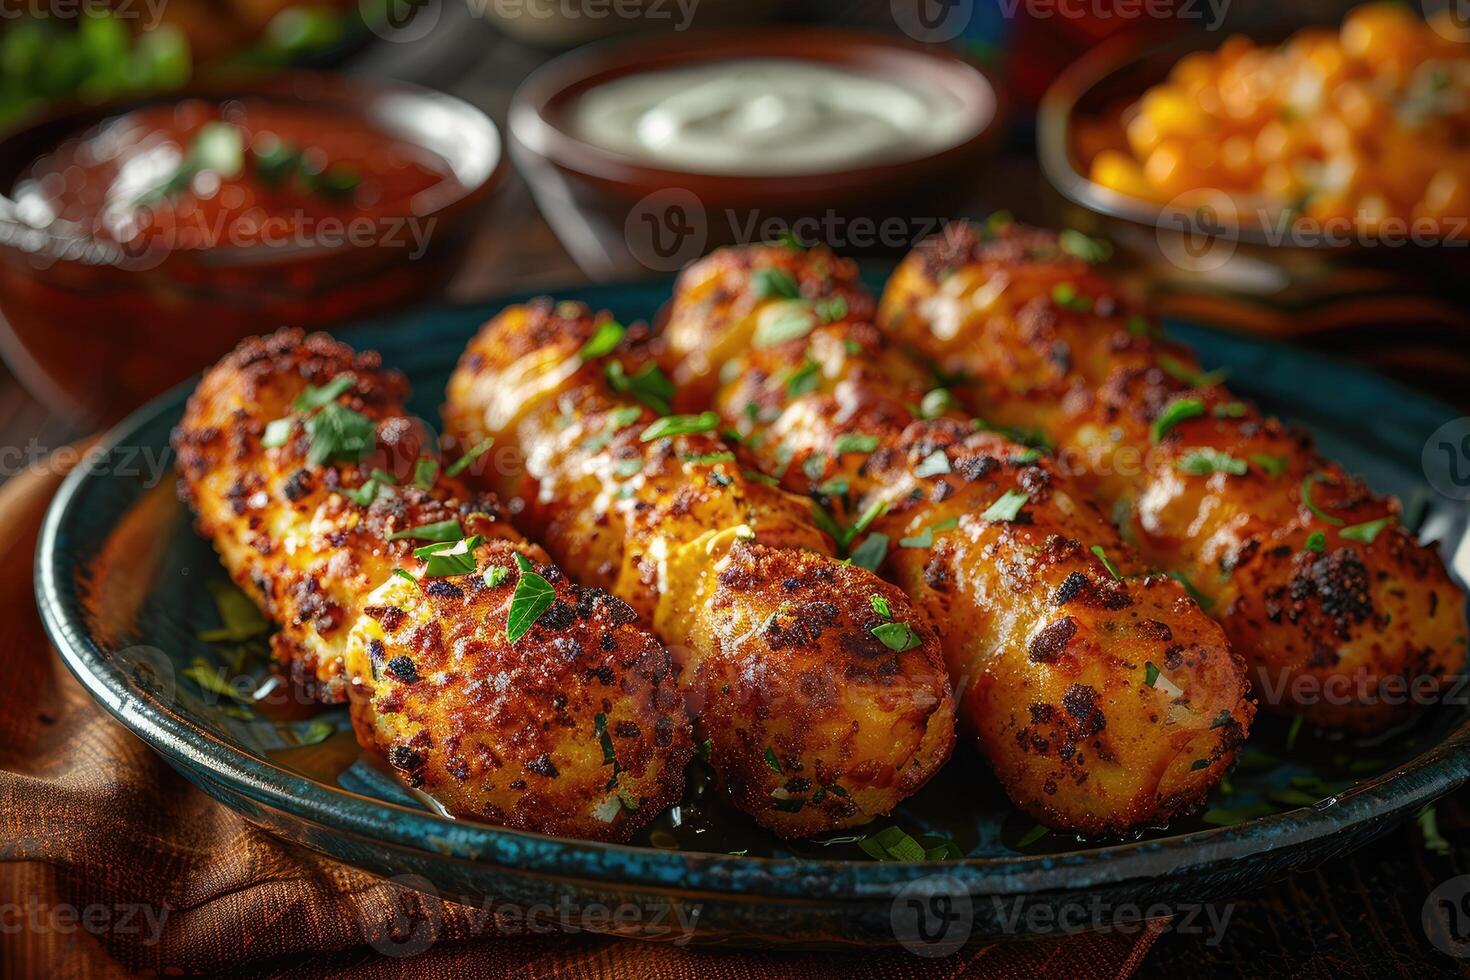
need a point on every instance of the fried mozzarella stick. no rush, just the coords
(1342, 615)
(819, 693)
(1104, 699)
(486, 678)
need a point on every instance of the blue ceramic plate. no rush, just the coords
(130, 596)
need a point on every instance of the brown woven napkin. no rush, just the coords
(112, 864)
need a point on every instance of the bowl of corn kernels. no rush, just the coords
(1288, 184)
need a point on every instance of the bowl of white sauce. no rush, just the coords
(645, 154)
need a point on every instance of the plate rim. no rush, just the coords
(1387, 797)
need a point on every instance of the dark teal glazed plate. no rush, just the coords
(141, 611)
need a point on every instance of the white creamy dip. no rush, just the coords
(767, 117)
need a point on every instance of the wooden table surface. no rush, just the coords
(1359, 916)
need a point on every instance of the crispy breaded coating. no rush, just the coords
(811, 719)
(1105, 700)
(1343, 616)
(316, 490)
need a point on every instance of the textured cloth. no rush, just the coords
(111, 864)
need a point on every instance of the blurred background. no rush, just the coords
(85, 342)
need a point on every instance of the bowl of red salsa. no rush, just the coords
(139, 241)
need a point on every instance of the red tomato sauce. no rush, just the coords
(291, 175)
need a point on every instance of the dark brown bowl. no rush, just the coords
(1402, 306)
(94, 329)
(619, 215)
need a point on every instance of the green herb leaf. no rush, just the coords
(495, 575)
(1206, 461)
(934, 464)
(793, 322)
(1091, 250)
(935, 403)
(874, 510)
(1204, 601)
(241, 618)
(1230, 410)
(277, 433)
(871, 552)
(406, 574)
(880, 606)
(532, 597)
(772, 762)
(441, 531)
(1312, 505)
(1180, 371)
(832, 310)
(650, 385)
(804, 379)
(1064, 294)
(678, 425)
(314, 398)
(339, 434)
(1272, 466)
(212, 679)
(1317, 541)
(631, 466)
(456, 559)
(608, 335)
(771, 283)
(707, 459)
(1008, 507)
(892, 844)
(1033, 835)
(1150, 674)
(854, 443)
(897, 636)
(1366, 531)
(1178, 411)
(364, 495)
(425, 472)
(1102, 556)
(468, 459)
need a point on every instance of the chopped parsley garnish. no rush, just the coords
(1008, 507)
(425, 472)
(832, 310)
(1150, 674)
(1180, 371)
(1294, 731)
(1272, 466)
(925, 539)
(934, 464)
(467, 460)
(364, 495)
(791, 323)
(1033, 835)
(1202, 600)
(218, 147)
(935, 403)
(880, 606)
(707, 459)
(854, 443)
(1088, 249)
(874, 511)
(277, 433)
(338, 434)
(242, 619)
(456, 559)
(1064, 294)
(1366, 531)
(1102, 556)
(1230, 410)
(892, 844)
(814, 466)
(1317, 541)
(609, 333)
(678, 425)
(631, 466)
(650, 385)
(406, 574)
(769, 481)
(384, 477)
(825, 523)
(314, 397)
(804, 379)
(441, 531)
(1312, 505)
(772, 763)
(1205, 461)
(532, 597)
(1139, 325)
(604, 738)
(772, 283)
(1178, 411)
(1026, 456)
(871, 552)
(897, 637)
(496, 574)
